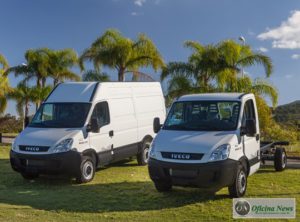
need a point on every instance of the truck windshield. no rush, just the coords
(203, 116)
(61, 115)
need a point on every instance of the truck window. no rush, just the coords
(249, 112)
(203, 116)
(101, 113)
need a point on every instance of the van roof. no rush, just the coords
(85, 91)
(212, 96)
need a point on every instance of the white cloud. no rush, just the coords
(263, 49)
(134, 13)
(251, 33)
(295, 56)
(288, 76)
(287, 35)
(139, 2)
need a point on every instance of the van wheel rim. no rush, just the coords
(242, 181)
(146, 154)
(88, 170)
(283, 160)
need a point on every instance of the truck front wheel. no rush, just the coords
(87, 170)
(239, 187)
(280, 159)
(162, 186)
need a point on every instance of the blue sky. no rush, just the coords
(271, 26)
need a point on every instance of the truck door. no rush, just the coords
(251, 145)
(102, 141)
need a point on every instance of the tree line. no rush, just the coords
(209, 68)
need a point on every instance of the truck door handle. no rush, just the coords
(111, 133)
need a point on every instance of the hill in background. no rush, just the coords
(288, 114)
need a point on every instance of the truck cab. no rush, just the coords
(207, 140)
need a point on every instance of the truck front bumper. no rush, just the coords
(213, 175)
(58, 163)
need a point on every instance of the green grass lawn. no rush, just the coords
(124, 192)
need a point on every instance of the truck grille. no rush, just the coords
(182, 156)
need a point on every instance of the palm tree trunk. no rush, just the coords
(55, 82)
(38, 84)
(121, 75)
(26, 113)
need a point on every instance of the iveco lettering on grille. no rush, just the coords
(32, 148)
(180, 156)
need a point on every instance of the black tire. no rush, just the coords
(29, 176)
(280, 159)
(143, 155)
(239, 187)
(162, 186)
(87, 169)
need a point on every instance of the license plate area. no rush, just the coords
(34, 162)
(183, 173)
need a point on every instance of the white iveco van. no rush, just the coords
(207, 140)
(82, 126)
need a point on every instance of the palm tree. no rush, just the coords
(4, 83)
(60, 62)
(36, 67)
(95, 75)
(115, 51)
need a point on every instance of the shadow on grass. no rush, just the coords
(61, 194)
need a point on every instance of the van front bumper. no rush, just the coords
(58, 163)
(212, 175)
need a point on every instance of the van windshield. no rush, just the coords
(61, 115)
(203, 116)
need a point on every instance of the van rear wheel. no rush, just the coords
(87, 170)
(280, 159)
(143, 155)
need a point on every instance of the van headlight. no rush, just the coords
(152, 150)
(63, 146)
(14, 146)
(221, 153)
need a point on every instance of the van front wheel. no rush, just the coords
(87, 170)
(143, 155)
(162, 186)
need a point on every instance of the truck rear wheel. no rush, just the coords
(162, 186)
(143, 155)
(280, 159)
(87, 170)
(239, 187)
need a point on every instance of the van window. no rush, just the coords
(61, 115)
(101, 113)
(249, 112)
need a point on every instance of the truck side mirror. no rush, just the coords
(156, 125)
(250, 128)
(93, 126)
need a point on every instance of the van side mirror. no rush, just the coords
(93, 126)
(249, 129)
(156, 125)
(26, 121)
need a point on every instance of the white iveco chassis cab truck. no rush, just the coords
(210, 141)
(82, 126)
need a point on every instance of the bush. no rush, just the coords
(10, 124)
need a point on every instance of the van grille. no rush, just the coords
(34, 148)
(182, 156)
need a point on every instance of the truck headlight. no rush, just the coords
(63, 146)
(221, 153)
(152, 150)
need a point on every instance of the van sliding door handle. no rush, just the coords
(257, 137)
(111, 133)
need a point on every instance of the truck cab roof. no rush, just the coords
(214, 96)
